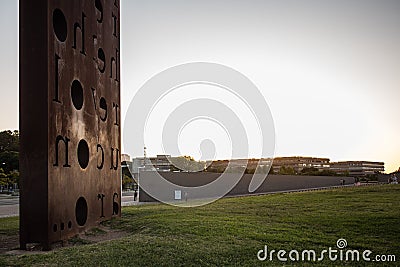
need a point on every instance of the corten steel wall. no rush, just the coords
(273, 183)
(69, 117)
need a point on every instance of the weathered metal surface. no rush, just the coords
(69, 117)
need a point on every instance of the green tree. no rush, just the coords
(217, 168)
(257, 170)
(127, 181)
(187, 163)
(14, 177)
(9, 151)
(234, 169)
(9, 158)
(287, 170)
(372, 177)
(309, 171)
(250, 170)
(271, 171)
(9, 161)
(4, 179)
(9, 141)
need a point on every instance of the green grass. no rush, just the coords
(231, 231)
(9, 226)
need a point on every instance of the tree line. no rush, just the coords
(9, 158)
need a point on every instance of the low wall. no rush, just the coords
(272, 183)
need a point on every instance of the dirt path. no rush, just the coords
(9, 244)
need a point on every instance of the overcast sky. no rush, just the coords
(329, 70)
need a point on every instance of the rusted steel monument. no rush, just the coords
(69, 117)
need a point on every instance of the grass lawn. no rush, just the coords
(231, 231)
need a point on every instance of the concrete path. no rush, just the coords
(9, 206)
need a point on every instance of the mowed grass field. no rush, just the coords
(231, 231)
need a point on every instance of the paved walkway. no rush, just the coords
(127, 200)
(9, 206)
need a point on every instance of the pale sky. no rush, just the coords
(329, 70)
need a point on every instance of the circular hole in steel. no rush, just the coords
(99, 6)
(102, 56)
(77, 94)
(103, 106)
(81, 211)
(60, 25)
(83, 154)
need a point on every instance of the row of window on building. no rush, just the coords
(351, 168)
(298, 164)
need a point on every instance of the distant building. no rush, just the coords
(162, 163)
(299, 163)
(358, 168)
(159, 163)
(125, 157)
(220, 165)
